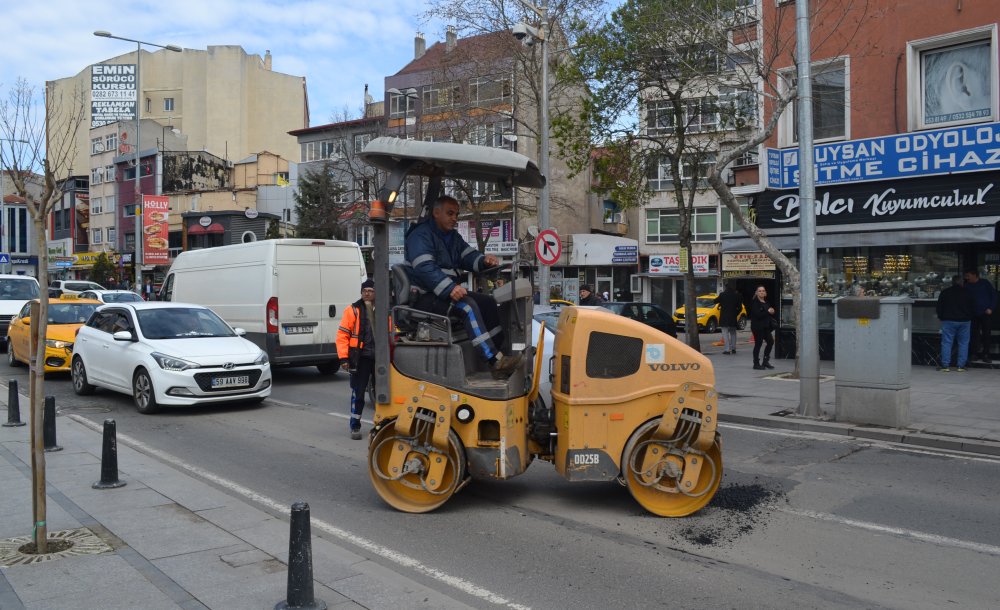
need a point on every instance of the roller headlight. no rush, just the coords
(170, 363)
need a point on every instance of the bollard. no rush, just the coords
(49, 425)
(300, 572)
(13, 404)
(109, 459)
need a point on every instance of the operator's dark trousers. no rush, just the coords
(360, 378)
(982, 326)
(478, 312)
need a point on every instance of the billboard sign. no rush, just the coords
(112, 93)
(155, 225)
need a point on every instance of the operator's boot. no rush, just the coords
(767, 364)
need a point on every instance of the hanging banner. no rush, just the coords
(155, 229)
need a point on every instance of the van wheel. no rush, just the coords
(329, 368)
(142, 393)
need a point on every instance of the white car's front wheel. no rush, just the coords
(79, 373)
(142, 393)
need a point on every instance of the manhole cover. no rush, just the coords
(74, 542)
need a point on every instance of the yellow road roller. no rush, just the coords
(628, 402)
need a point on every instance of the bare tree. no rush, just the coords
(681, 89)
(37, 141)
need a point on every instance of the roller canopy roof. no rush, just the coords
(458, 161)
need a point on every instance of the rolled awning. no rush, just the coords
(945, 231)
(212, 228)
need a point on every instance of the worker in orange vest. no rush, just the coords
(356, 350)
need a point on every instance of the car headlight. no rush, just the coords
(58, 344)
(702, 316)
(170, 363)
(262, 359)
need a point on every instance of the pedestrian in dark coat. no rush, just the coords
(982, 322)
(762, 323)
(955, 309)
(730, 302)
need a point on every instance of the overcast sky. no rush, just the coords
(338, 45)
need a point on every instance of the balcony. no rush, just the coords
(615, 224)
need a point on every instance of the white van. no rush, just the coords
(15, 291)
(288, 294)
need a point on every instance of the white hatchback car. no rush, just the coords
(112, 296)
(168, 354)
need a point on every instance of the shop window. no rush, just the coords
(831, 96)
(953, 79)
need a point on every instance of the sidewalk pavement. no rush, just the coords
(165, 540)
(955, 411)
(169, 540)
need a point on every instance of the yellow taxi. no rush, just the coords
(709, 313)
(66, 315)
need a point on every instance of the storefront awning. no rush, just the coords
(212, 228)
(944, 231)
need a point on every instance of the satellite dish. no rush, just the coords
(98, 147)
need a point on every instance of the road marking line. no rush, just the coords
(342, 416)
(385, 552)
(897, 531)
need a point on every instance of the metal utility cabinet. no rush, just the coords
(873, 344)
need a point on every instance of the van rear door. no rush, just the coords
(341, 274)
(300, 306)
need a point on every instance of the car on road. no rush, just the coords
(66, 316)
(15, 291)
(709, 313)
(57, 288)
(164, 354)
(111, 296)
(647, 313)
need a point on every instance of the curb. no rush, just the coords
(891, 435)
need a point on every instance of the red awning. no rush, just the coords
(212, 228)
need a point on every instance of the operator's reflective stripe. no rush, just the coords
(442, 286)
(467, 252)
(481, 338)
(421, 259)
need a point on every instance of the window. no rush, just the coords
(95, 205)
(953, 79)
(109, 173)
(361, 140)
(111, 141)
(737, 108)
(661, 179)
(129, 210)
(701, 114)
(112, 235)
(830, 103)
(663, 226)
(96, 146)
(492, 134)
(486, 90)
(659, 118)
(363, 235)
(96, 176)
(95, 236)
(323, 149)
(441, 96)
(168, 104)
(402, 104)
(109, 203)
(149, 105)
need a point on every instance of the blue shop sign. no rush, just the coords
(973, 148)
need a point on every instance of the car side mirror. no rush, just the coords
(239, 332)
(25, 320)
(123, 335)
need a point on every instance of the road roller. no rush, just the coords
(627, 402)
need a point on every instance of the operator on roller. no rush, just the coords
(437, 255)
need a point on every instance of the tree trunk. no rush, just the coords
(36, 391)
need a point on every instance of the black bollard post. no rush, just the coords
(109, 459)
(49, 425)
(300, 570)
(13, 404)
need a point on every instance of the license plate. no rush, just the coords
(230, 382)
(298, 330)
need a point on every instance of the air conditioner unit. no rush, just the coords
(617, 218)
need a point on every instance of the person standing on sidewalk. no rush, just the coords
(762, 323)
(986, 301)
(588, 296)
(730, 303)
(955, 307)
(356, 350)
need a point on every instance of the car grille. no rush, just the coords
(205, 380)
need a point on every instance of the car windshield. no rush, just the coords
(615, 307)
(551, 319)
(121, 297)
(182, 323)
(18, 290)
(705, 302)
(71, 313)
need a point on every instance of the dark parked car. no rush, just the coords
(647, 313)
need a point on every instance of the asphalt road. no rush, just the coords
(800, 521)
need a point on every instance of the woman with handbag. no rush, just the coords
(762, 323)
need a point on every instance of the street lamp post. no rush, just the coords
(525, 33)
(137, 210)
(3, 210)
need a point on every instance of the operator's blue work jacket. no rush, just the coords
(437, 259)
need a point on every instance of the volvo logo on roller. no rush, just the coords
(548, 247)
